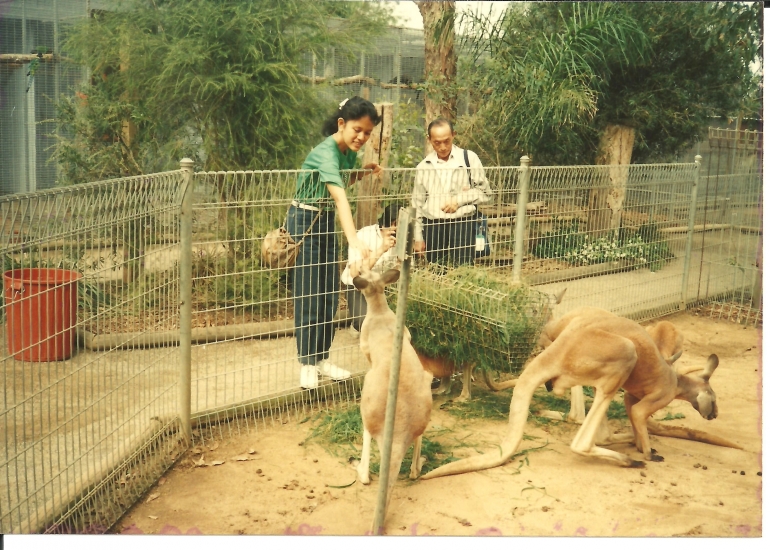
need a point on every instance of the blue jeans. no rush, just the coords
(315, 283)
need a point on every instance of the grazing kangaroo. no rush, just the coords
(443, 368)
(415, 400)
(606, 352)
(664, 334)
(669, 342)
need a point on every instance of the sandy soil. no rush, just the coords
(273, 482)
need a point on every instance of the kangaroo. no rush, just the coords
(664, 334)
(669, 342)
(415, 400)
(606, 352)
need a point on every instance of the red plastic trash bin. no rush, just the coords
(41, 307)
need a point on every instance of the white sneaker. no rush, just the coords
(329, 370)
(308, 377)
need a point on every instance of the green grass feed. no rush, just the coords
(472, 316)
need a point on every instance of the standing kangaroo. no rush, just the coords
(606, 352)
(415, 400)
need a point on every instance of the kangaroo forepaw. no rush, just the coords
(637, 464)
(656, 458)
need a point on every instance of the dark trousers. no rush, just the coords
(315, 284)
(356, 305)
(450, 241)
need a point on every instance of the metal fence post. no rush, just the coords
(521, 219)
(690, 231)
(185, 299)
(395, 367)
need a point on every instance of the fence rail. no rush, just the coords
(174, 258)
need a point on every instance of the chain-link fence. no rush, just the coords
(157, 310)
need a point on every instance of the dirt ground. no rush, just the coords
(275, 482)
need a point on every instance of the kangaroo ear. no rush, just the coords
(390, 276)
(360, 283)
(713, 363)
(558, 296)
(671, 360)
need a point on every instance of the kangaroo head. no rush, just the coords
(699, 394)
(370, 282)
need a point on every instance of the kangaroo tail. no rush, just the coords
(495, 386)
(680, 432)
(532, 377)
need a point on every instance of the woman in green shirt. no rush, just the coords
(316, 278)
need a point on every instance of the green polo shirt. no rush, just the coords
(325, 160)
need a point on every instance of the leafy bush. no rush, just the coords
(220, 282)
(567, 242)
(408, 142)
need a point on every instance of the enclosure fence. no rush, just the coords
(138, 319)
(729, 219)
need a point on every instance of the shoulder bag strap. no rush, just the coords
(468, 167)
(310, 228)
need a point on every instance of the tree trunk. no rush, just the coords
(377, 150)
(438, 21)
(605, 204)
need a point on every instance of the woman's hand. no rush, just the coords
(371, 168)
(359, 245)
(374, 167)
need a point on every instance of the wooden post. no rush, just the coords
(377, 150)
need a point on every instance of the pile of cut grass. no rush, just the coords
(340, 432)
(496, 406)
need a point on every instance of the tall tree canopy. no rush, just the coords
(214, 80)
(560, 78)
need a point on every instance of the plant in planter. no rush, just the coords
(643, 247)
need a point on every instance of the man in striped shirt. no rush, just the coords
(448, 185)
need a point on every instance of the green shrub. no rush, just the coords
(219, 282)
(644, 246)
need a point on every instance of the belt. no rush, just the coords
(305, 206)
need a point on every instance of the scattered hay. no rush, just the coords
(340, 432)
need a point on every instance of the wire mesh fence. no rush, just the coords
(88, 271)
(86, 435)
(729, 221)
(34, 73)
(391, 70)
(628, 258)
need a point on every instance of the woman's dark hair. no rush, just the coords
(441, 121)
(389, 216)
(353, 109)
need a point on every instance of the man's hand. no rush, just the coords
(450, 206)
(388, 239)
(419, 247)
